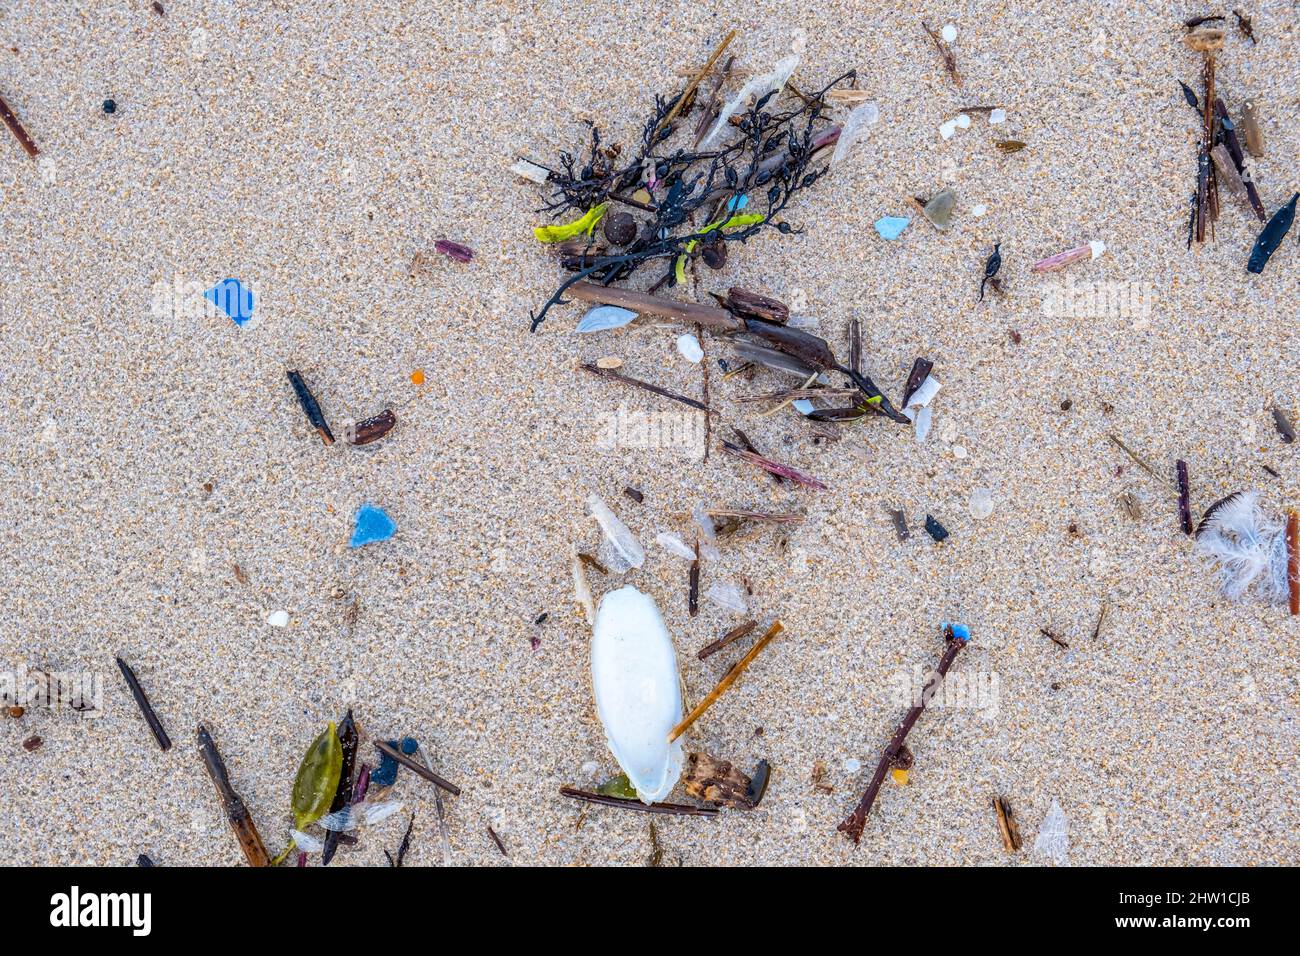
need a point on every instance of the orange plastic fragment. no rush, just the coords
(417, 377)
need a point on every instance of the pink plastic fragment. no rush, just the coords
(454, 250)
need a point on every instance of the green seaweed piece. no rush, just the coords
(619, 787)
(567, 231)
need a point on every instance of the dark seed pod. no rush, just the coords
(620, 228)
(715, 254)
(373, 429)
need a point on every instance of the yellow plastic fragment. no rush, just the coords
(900, 777)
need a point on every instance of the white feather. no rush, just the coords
(1247, 547)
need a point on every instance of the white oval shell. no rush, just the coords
(638, 690)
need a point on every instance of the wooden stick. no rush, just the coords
(16, 128)
(773, 467)
(680, 809)
(647, 304)
(690, 87)
(241, 822)
(418, 769)
(854, 823)
(142, 701)
(728, 679)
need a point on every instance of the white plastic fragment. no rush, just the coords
(674, 543)
(804, 406)
(604, 317)
(358, 815)
(728, 596)
(704, 521)
(925, 393)
(755, 89)
(689, 347)
(947, 128)
(997, 116)
(1053, 841)
(530, 171)
(278, 619)
(582, 590)
(306, 842)
(959, 451)
(978, 209)
(1097, 247)
(922, 422)
(963, 121)
(616, 532)
(855, 127)
(637, 687)
(981, 503)
(949, 33)
(852, 764)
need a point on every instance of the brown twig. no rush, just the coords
(679, 809)
(636, 382)
(418, 769)
(728, 679)
(16, 128)
(856, 821)
(1293, 561)
(1007, 826)
(497, 840)
(733, 635)
(1055, 640)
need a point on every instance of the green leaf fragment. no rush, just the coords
(318, 778)
(619, 787)
(567, 231)
(680, 270)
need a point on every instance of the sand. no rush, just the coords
(312, 149)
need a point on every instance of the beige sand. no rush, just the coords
(312, 149)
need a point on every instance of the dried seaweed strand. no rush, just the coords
(949, 58)
(856, 821)
(241, 821)
(497, 840)
(728, 679)
(310, 406)
(677, 809)
(772, 517)
(1293, 561)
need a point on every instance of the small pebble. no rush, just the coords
(949, 33)
(32, 743)
(689, 347)
(278, 619)
(939, 209)
(110, 107)
(981, 503)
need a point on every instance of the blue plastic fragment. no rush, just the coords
(737, 203)
(373, 524)
(959, 631)
(233, 298)
(385, 775)
(891, 227)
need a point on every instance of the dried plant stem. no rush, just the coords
(647, 304)
(1184, 497)
(1007, 825)
(772, 517)
(142, 701)
(854, 823)
(728, 679)
(691, 86)
(735, 634)
(949, 58)
(16, 128)
(773, 467)
(678, 809)
(629, 380)
(1137, 459)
